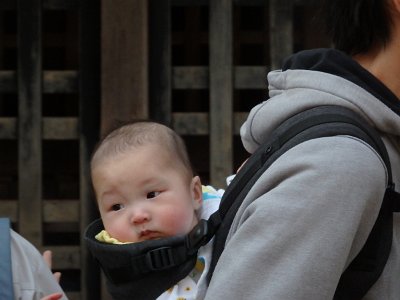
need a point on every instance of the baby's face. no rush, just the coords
(142, 195)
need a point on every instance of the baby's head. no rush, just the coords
(144, 183)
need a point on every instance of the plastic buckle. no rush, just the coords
(198, 236)
(160, 259)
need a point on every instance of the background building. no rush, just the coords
(70, 70)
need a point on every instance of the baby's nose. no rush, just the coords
(140, 216)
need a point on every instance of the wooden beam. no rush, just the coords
(65, 257)
(61, 211)
(221, 91)
(89, 111)
(160, 60)
(281, 31)
(63, 82)
(65, 128)
(124, 62)
(195, 77)
(198, 123)
(29, 120)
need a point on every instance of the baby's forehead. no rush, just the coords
(156, 152)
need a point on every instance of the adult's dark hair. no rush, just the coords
(356, 26)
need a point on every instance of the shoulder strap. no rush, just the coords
(6, 282)
(322, 121)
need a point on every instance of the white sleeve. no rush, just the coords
(32, 278)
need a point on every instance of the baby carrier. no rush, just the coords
(146, 269)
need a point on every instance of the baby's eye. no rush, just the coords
(117, 207)
(152, 195)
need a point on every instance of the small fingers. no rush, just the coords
(57, 276)
(48, 256)
(55, 296)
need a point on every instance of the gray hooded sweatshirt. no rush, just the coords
(310, 213)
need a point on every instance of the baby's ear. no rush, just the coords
(197, 193)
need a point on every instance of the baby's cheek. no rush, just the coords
(179, 222)
(121, 232)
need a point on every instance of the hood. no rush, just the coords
(321, 77)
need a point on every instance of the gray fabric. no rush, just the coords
(310, 213)
(32, 278)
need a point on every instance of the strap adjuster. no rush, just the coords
(197, 237)
(160, 259)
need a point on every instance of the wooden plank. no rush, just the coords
(61, 211)
(198, 123)
(62, 82)
(124, 62)
(89, 95)
(29, 120)
(8, 82)
(64, 257)
(194, 77)
(250, 77)
(65, 128)
(190, 77)
(53, 210)
(221, 90)
(239, 119)
(9, 208)
(8, 128)
(53, 82)
(190, 123)
(160, 60)
(281, 31)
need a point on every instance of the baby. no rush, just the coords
(146, 189)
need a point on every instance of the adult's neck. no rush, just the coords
(384, 64)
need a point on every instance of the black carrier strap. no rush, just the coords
(322, 121)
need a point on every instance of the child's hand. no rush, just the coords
(55, 296)
(48, 257)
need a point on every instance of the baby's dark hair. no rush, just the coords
(140, 133)
(357, 26)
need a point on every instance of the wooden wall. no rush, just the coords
(70, 70)
(49, 119)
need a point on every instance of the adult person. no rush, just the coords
(32, 276)
(310, 213)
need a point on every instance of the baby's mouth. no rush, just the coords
(149, 235)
